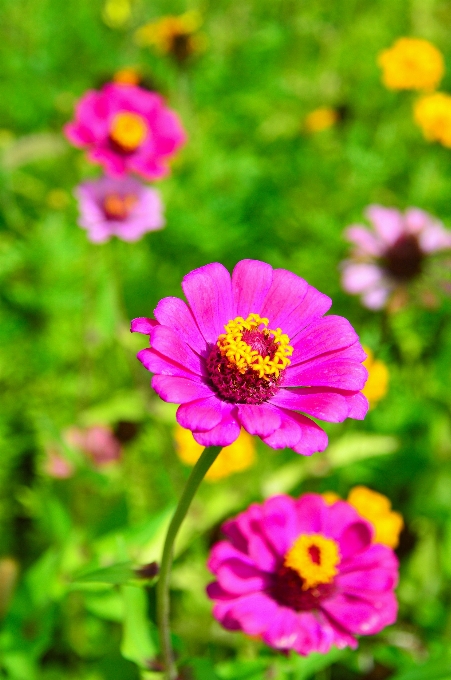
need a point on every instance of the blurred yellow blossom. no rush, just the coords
(411, 64)
(173, 35)
(330, 497)
(320, 119)
(433, 114)
(234, 458)
(127, 76)
(116, 13)
(376, 386)
(376, 508)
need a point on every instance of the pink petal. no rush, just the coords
(313, 438)
(368, 580)
(355, 538)
(361, 617)
(179, 390)
(224, 550)
(239, 578)
(286, 293)
(201, 415)
(324, 335)
(281, 522)
(376, 298)
(339, 517)
(260, 419)
(209, 293)
(313, 306)
(329, 406)
(360, 277)
(251, 281)
(249, 613)
(225, 433)
(176, 314)
(377, 556)
(434, 237)
(161, 365)
(142, 325)
(312, 513)
(240, 529)
(357, 403)
(387, 222)
(299, 631)
(168, 343)
(287, 435)
(336, 373)
(366, 242)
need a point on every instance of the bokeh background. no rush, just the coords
(251, 182)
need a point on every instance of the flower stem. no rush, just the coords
(198, 472)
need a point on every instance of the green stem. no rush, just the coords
(199, 471)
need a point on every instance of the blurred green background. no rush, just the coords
(249, 183)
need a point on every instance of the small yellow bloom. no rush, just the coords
(376, 508)
(433, 114)
(172, 35)
(411, 64)
(330, 497)
(376, 386)
(116, 13)
(320, 119)
(234, 458)
(127, 76)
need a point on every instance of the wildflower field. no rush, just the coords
(254, 483)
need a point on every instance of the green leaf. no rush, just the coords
(117, 574)
(138, 643)
(439, 669)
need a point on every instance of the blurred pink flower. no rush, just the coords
(303, 575)
(126, 128)
(392, 253)
(118, 207)
(244, 350)
(97, 442)
(57, 466)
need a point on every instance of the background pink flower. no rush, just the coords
(390, 254)
(279, 359)
(303, 575)
(126, 128)
(97, 442)
(121, 207)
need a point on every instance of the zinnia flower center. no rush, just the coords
(307, 574)
(128, 131)
(248, 360)
(404, 259)
(116, 207)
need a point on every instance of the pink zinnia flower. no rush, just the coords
(252, 351)
(97, 442)
(126, 129)
(118, 207)
(303, 575)
(391, 254)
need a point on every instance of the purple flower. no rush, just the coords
(303, 575)
(126, 128)
(392, 254)
(254, 351)
(118, 207)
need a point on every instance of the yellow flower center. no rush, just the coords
(247, 345)
(118, 207)
(128, 130)
(314, 557)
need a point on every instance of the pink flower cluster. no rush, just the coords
(126, 129)
(303, 575)
(392, 254)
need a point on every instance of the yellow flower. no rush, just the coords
(172, 35)
(376, 508)
(234, 458)
(411, 64)
(433, 114)
(330, 497)
(376, 386)
(320, 119)
(127, 76)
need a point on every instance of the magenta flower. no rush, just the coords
(126, 129)
(391, 254)
(118, 207)
(254, 351)
(97, 442)
(303, 575)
